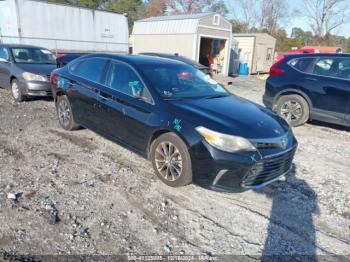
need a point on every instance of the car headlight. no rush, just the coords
(225, 142)
(33, 77)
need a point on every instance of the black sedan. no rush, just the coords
(310, 87)
(26, 70)
(187, 124)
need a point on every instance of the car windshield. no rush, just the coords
(182, 81)
(33, 56)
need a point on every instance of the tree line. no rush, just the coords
(324, 17)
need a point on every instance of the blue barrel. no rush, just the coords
(243, 69)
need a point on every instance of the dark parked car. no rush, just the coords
(205, 69)
(26, 70)
(175, 115)
(65, 59)
(310, 87)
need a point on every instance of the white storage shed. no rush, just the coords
(205, 38)
(255, 49)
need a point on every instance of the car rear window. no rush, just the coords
(301, 64)
(91, 69)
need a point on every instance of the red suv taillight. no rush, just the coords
(274, 70)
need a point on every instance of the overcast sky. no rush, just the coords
(302, 22)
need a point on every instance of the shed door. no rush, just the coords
(264, 57)
(261, 51)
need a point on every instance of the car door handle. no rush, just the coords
(103, 97)
(311, 79)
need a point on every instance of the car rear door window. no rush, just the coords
(333, 67)
(301, 64)
(324, 67)
(344, 68)
(124, 79)
(91, 69)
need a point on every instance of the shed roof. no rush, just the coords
(177, 17)
(170, 25)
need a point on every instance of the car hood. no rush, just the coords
(233, 115)
(40, 69)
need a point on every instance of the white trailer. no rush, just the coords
(62, 28)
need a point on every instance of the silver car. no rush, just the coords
(26, 70)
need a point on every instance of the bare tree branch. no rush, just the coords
(187, 6)
(325, 15)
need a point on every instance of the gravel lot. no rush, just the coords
(78, 193)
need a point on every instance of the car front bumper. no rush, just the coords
(224, 171)
(35, 88)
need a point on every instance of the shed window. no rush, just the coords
(216, 20)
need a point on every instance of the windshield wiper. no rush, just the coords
(214, 96)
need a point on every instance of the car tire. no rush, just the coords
(171, 160)
(17, 93)
(65, 114)
(294, 109)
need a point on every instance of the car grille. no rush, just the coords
(268, 169)
(46, 76)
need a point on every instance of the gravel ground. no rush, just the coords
(78, 193)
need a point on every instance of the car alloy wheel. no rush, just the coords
(291, 110)
(64, 113)
(168, 161)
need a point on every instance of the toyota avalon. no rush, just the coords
(187, 124)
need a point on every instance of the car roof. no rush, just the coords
(293, 55)
(177, 57)
(21, 46)
(137, 59)
(160, 54)
(69, 56)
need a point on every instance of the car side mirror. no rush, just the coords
(3, 60)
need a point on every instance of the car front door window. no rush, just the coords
(4, 55)
(124, 79)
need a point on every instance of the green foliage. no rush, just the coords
(302, 37)
(133, 8)
(93, 4)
